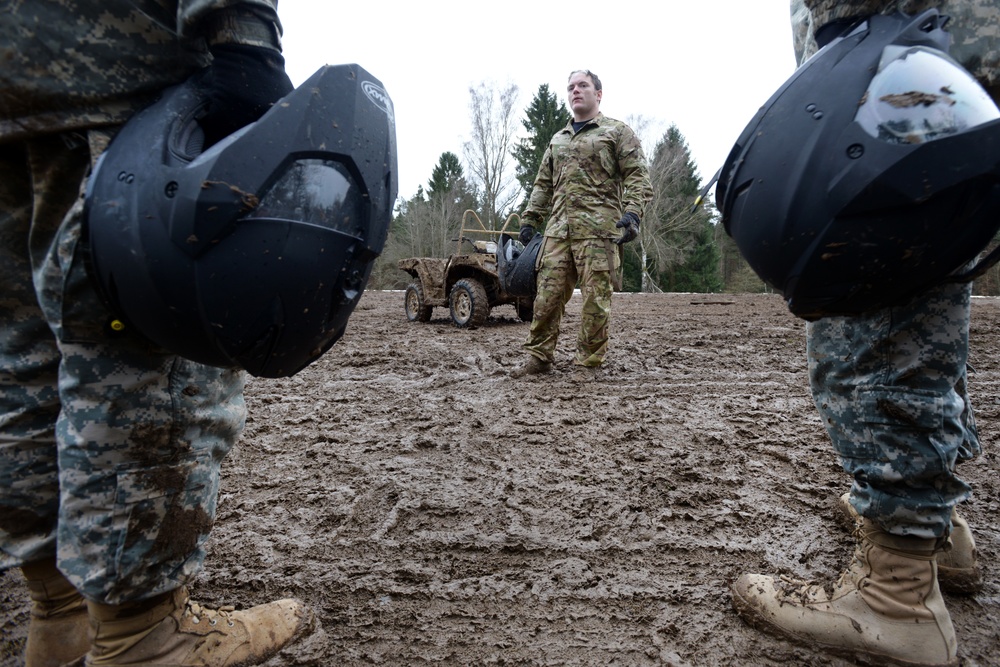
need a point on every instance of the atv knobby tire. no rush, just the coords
(416, 308)
(470, 307)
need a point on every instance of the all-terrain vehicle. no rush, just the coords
(467, 281)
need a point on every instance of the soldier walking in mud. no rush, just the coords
(110, 448)
(890, 386)
(592, 187)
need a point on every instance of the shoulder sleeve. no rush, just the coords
(540, 201)
(638, 191)
(824, 11)
(253, 22)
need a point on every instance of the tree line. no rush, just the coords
(678, 249)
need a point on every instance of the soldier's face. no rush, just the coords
(583, 98)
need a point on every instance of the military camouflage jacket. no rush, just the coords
(67, 64)
(588, 180)
(974, 27)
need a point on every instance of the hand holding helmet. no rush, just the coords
(527, 233)
(244, 81)
(253, 254)
(629, 224)
(247, 74)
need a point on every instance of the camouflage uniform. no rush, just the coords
(110, 449)
(587, 180)
(891, 386)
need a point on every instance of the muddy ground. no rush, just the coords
(432, 510)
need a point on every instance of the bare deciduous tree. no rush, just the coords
(494, 118)
(667, 236)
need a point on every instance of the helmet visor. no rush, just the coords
(920, 94)
(317, 192)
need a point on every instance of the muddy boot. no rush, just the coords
(58, 629)
(586, 373)
(886, 608)
(533, 366)
(170, 631)
(958, 566)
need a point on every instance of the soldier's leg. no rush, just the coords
(29, 401)
(591, 256)
(557, 275)
(885, 386)
(141, 433)
(29, 406)
(904, 400)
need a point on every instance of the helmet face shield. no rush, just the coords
(920, 94)
(316, 192)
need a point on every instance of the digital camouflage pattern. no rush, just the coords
(890, 389)
(586, 182)
(84, 63)
(890, 386)
(974, 27)
(110, 449)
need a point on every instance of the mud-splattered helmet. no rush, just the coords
(872, 174)
(251, 253)
(516, 265)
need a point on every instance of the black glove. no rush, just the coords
(243, 81)
(629, 224)
(527, 233)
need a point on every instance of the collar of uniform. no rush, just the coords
(596, 120)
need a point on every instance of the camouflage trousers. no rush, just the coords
(891, 390)
(110, 449)
(561, 262)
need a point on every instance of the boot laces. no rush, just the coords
(212, 616)
(801, 592)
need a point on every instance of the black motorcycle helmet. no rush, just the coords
(254, 252)
(516, 265)
(872, 174)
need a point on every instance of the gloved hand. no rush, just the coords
(527, 233)
(243, 81)
(629, 224)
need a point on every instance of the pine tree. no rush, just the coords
(446, 175)
(700, 270)
(545, 116)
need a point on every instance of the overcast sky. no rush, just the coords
(704, 65)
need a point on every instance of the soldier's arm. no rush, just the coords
(247, 73)
(540, 202)
(638, 191)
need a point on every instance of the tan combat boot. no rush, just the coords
(958, 566)
(172, 631)
(886, 608)
(533, 366)
(57, 631)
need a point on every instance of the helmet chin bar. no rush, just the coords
(254, 252)
(871, 175)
